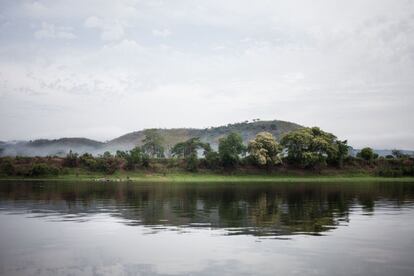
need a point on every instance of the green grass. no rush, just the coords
(211, 177)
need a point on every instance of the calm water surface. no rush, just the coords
(51, 228)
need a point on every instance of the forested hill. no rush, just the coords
(211, 135)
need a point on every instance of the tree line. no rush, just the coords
(305, 148)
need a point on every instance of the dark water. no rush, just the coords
(206, 229)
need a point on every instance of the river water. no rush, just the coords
(62, 228)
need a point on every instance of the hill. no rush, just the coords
(211, 135)
(44, 147)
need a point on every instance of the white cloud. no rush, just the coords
(48, 31)
(110, 30)
(344, 65)
(161, 33)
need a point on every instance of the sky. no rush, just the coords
(102, 68)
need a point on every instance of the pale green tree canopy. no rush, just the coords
(265, 150)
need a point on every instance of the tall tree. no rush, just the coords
(187, 148)
(230, 149)
(310, 147)
(265, 150)
(153, 143)
(367, 154)
(188, 151)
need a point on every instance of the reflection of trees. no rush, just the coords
(259, 209)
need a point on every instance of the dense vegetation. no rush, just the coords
(304, 149)
(168, 138)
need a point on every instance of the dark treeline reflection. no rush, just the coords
(245, 208)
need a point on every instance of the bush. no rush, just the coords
(192, 163)
(42, 169)
(108, 164)
(71, 160)
(390, 172)
(7, 167)
(212, 160)
(88, 161)
(367, 154)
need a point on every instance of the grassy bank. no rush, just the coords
(211, 177)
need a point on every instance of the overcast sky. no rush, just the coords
(101, 68)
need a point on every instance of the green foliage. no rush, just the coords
(71, 160)
(390, 172)
(133, 158)
(188, 151)
(367, 154)
(264, 150)
(341, 154)
(212, 159)
(108, 163)
(87, 161)
(395, 167)
(152, 144)
(189, 147)
(43, 169)
(313, 147)
(7, 167)
(230, 149)
(192, 163)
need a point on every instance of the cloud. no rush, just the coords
(346, 66)
(161, 33)
(50, 31)
(110, 31)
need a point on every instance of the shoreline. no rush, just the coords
(188, 177)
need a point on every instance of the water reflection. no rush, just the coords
(240, 209)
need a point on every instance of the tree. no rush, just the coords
(212, 159)
(398, 153)
(133, 158)
(108, 163)
(264, 150)
(230, 149)
(88, 161)
(367, 154)
(71, 159)
(188, 151)
(153, 143)
(343, 151)
(7, 166)
(311, 147)
(188, 148)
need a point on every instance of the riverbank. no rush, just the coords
(210, 177)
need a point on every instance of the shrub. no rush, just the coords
(88, 161)
(7, 167)
(71, 160)
(212, 160)
(390, 172)
(192, 163)
(42, 169)
(108, 164)
(367, 154)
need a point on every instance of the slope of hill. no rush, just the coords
(44, 147)
(211, 135)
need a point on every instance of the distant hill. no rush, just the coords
(44, 147)
(211, 135)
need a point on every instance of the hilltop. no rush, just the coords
(43, 147)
